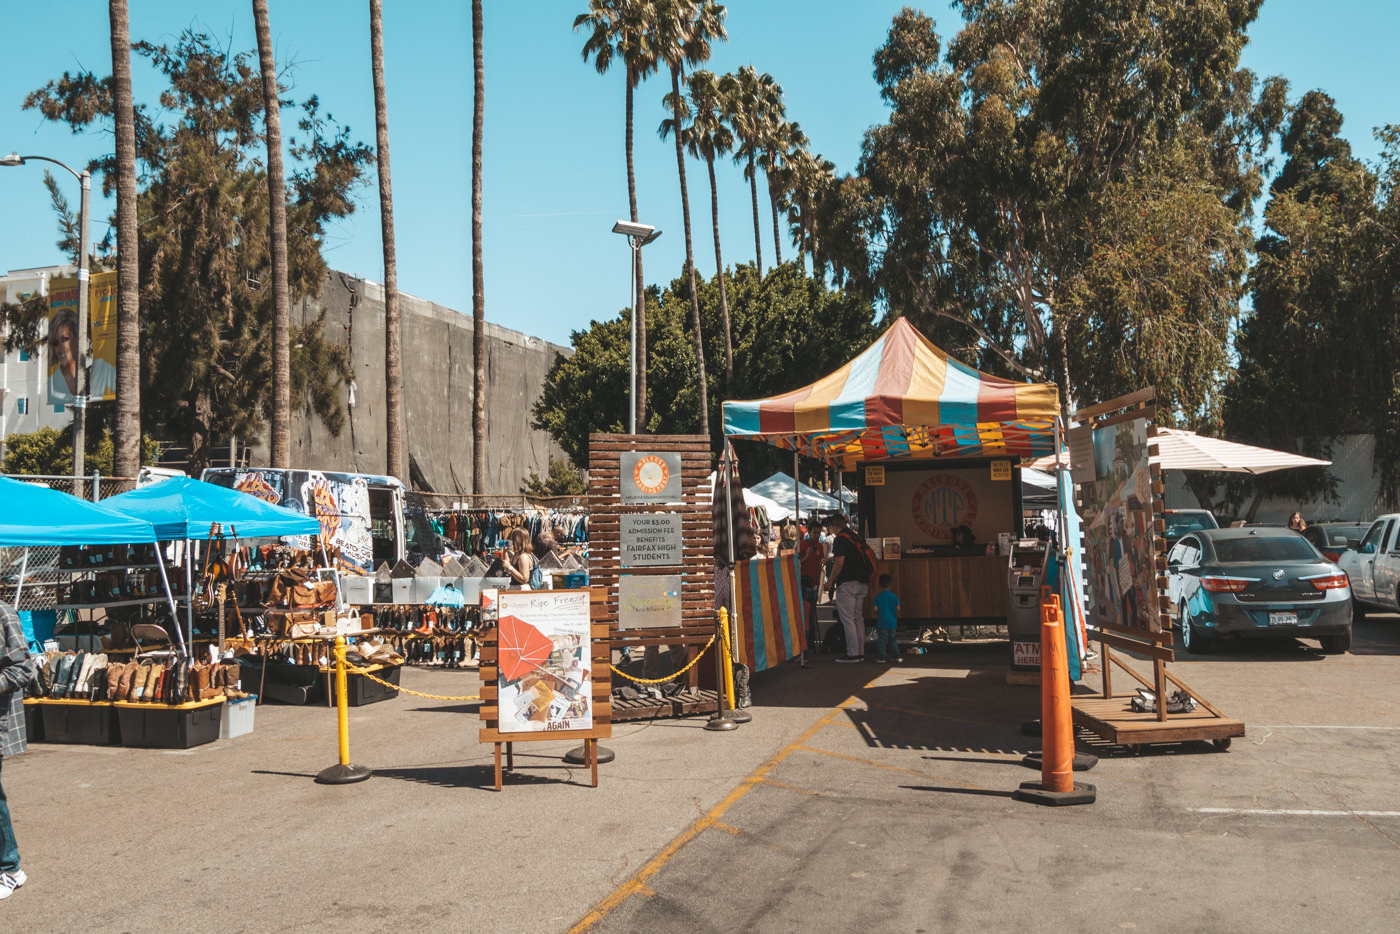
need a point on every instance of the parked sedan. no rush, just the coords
(1257, 582)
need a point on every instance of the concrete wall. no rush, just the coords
(437, 373)
(1358, 489)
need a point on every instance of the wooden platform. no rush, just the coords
(685, 704)
(1113, 719)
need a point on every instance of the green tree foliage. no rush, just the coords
(49, 452)
(206, 296)
(1065, 171)
(788, 329)
(1318, 349)
(563, 479)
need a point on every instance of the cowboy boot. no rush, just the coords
(139, 680)
(114, 680)
(128, 677)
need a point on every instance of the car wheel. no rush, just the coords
(1192, 639)
(1336, 645)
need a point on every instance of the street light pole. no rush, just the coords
(83, 347)
(638, 236)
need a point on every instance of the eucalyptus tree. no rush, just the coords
(478, 268)
(280, 440)
(1068, 189)
(706, 137)
(393, 339)
(126, 435)
(623, 31)
(684, 30)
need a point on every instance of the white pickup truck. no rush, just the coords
(1373, 567)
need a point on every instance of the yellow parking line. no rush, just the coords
(637, 885)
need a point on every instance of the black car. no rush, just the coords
(1257, 582)
(1181, 521)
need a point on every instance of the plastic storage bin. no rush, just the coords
(161, 726)
(237, 717)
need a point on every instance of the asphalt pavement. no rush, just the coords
(861, 797)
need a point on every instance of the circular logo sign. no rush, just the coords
(941, 503)
(651, 475)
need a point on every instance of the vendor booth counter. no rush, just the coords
(946, 588)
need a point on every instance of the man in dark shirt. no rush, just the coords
(850, 584)
(16, 672)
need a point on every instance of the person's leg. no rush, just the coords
(860, 591)
(850, 611)
(9, 849)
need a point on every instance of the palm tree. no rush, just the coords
(780, 139)
(809, 178)
(748, 115)
(393, 347)
(127, 435)
(281, 439)
(478, 270)
(684, 30)
(621, 29)
(706, 137)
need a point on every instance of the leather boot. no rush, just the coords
(139, 681)
(114, 680)
(128, 675)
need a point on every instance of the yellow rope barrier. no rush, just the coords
(401, 690)
(670, 677)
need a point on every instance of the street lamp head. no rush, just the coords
(13, 158)
(650, 237)
(633, 229)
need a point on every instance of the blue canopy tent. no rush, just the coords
(182, 508)
(32, 515)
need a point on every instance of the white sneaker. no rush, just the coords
(9, 881)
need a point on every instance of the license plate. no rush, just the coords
(1283, 619)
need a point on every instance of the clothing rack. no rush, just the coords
(478, 530)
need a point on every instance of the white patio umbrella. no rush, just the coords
(1179, 449)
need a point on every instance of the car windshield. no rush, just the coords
(1179, 524)
(1274, 548)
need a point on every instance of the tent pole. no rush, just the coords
(189, 589)
(170, 599)
(19, 584)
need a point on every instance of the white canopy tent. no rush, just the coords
(776, 511)
(789, 494)
(1179, 449)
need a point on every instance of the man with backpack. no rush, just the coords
(850, 581)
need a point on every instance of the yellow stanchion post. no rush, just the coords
(1057, 759)
(343, 772)
(721, 722)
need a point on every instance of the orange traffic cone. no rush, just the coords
(1057, 759)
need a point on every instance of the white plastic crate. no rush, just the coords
(237, 717)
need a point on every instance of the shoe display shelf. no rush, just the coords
(169, 726)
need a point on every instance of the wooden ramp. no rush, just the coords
(1113, 719)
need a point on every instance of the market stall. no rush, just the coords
(936, 444)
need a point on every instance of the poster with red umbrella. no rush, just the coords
(543, 651)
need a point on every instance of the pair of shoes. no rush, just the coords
(850, 659)
(883, 660)
(9, 881)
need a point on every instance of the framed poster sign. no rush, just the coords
(651, 539)
(650, 477)
(543, 676)
(650, 601)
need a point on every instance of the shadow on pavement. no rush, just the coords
(980, 792)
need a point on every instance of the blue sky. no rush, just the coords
(554, 174)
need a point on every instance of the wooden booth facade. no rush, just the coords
(936, 443)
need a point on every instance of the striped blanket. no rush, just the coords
(769, 611)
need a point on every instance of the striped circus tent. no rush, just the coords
(902, 398)
(769, 610)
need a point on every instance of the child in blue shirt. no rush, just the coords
(887, 620)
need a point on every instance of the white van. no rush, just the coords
(1373, 566)
(371, 519)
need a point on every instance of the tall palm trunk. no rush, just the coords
(478, 270)
(639, 285)
(757, 233)
(723, 292)
(393, 348)
(127, 436)
(777, 231)
(690, 258)
(281, 440)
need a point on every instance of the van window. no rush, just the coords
(381, 526)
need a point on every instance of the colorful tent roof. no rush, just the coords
(903, 398)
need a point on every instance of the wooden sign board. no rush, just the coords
(874, 474)
(594, 658)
